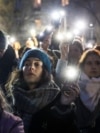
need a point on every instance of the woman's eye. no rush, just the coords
(89, 63)
(98, 62)
(26, 64)
(36, 64)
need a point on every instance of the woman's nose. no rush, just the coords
(93, 65)
(32, 66)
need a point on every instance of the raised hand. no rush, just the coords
(64, 49)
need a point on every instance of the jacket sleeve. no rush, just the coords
(11, 123)
(17, 126)
(60, 71)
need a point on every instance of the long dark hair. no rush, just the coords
(46, 77)
(18, 74)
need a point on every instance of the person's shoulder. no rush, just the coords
(9, 47)
(10, 53)
(11, 117)
(11, 123)
(9, 50)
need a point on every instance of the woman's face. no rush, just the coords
(32, 70)
(92, 66)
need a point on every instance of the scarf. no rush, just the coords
(31, 101)
(89, 91)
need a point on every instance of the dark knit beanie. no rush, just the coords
(36, 53)
(3, 42)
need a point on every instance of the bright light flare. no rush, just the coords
(76, 31)
(91, 25)
(59, 36)
(89, 45)
(41, 34)
(12, 39)
(69, 36)
(72, 73)
(49, 28)
(55, 15)
(64, 36)
(80, 25)
(33, 32)
(29, 39)
(62, 13)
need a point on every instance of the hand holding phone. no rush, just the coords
(69, 93)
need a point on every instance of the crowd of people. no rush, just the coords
(36, 95)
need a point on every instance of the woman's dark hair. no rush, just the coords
(85, 55)
(46, 77)
(18, 74)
